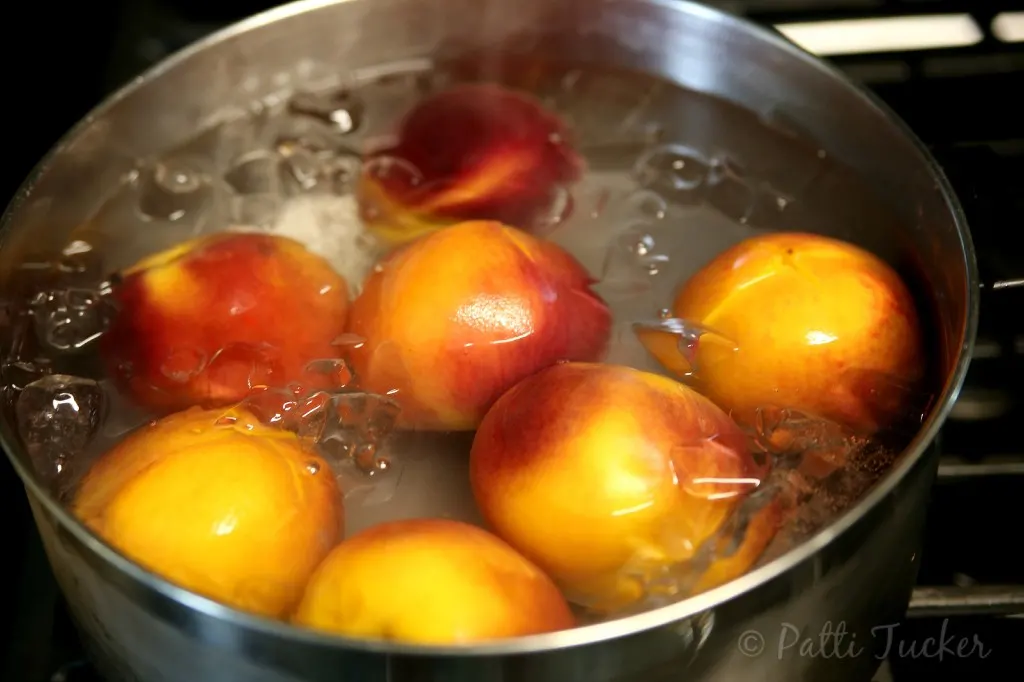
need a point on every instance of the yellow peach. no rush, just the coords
(605, 476)
(218, 504)
(452, 320)
(430, 581)
(803, 322)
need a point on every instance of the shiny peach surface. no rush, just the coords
(218, 504)
(804, 322)
(430, 581)
(605, 475)
(454, 319)
(205, 322)
(471, 152)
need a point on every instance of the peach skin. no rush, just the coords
(205, 322)
(219, 504)
(803, 322)
(606, 476)
(430, 581)
(452, 320)
(471, 152)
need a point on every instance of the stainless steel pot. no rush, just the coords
(858, 572)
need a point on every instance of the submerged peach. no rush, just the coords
(803, 322)
(471, 152)
(451, 321)
(430, 581)
(205, 322)
(605, 476)
(218, 504)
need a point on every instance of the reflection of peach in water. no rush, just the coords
(804, 322)
(471, 152)
(217, 503)
(605, 475)
(451, 321)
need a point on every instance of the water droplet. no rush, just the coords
(313, 467)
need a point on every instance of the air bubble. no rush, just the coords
(57, 417)
(341, 109)
(172, 189)
(648, 205)
(334, 370)
(69, 320)
(674, 172)
(255, 173)
(630, 262)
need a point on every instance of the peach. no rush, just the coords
(471, 152)
(219, 504)
(452, 320)
(606, 476)
(205, 322)
(430, 581)
(799, 321)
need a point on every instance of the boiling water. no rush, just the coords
(674, 177)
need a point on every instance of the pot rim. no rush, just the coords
(588, 634)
